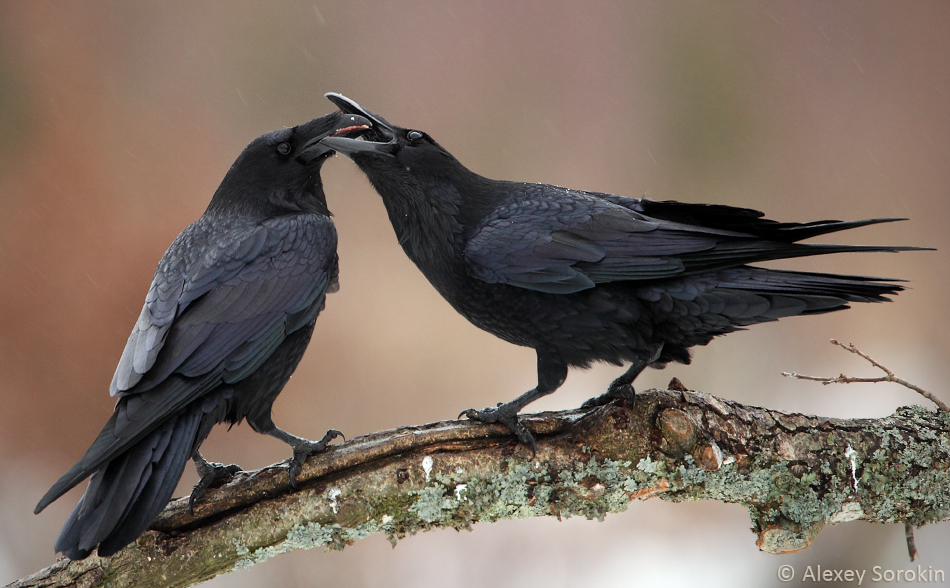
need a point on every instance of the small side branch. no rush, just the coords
(889, 377)
(911, 543)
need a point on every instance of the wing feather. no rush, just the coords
(560, 241)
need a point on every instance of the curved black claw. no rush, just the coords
(506, 417)
(212, 476)
(614, 392)
(304, 449)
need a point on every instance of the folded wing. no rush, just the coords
(563, 241)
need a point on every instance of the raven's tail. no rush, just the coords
(706, 306)
(772, 294)
(126, 494)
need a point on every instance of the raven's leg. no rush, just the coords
(552, 371)
(261, 422)
(622, 387)
(211, 474)
(302, 447)
(258, 392)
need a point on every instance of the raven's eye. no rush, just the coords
(414, 135)
(283, 148)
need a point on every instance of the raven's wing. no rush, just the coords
(561, 241)
(217, 289)
(222, 300)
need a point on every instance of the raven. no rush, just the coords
(226, 320)
(584, 276)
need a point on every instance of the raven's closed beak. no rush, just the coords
(349, 124)
(382, 130)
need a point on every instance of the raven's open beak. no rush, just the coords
(347, 124)
(380, 140)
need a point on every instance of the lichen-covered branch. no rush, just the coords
(795, 473)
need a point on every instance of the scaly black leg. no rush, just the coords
(211, 475)
(552, 371)
(302, 448)
(622, 387)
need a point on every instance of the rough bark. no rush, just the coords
(795, 473)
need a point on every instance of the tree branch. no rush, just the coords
(795, 473)
(888, 377)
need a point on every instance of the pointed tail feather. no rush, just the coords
(819, 292)
(125, 496)
(134, 417)
(747, 220)
(100, 451)
(800, 231)
(736, 253)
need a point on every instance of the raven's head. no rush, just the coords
(280, 171)
(427, 192)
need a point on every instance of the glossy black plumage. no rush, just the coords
(584, 276)
(226, 320)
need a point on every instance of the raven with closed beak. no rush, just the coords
(583, 276)
(226, 320)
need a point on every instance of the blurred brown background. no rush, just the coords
(118, 120)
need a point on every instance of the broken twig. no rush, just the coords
(911, 544)
(890, 377)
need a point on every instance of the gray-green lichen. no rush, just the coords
(522, 490)
(776, 492)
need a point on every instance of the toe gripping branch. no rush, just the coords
(211, 475)
(505, 414)
(304, 449)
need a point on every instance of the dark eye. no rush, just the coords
(283, 148)
(414, 136)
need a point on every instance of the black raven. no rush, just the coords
(584, 276)
(226, 320)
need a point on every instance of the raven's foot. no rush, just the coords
(616, 391)
(304, 449)
(507, 415)
(212, 476)
(622, 387)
